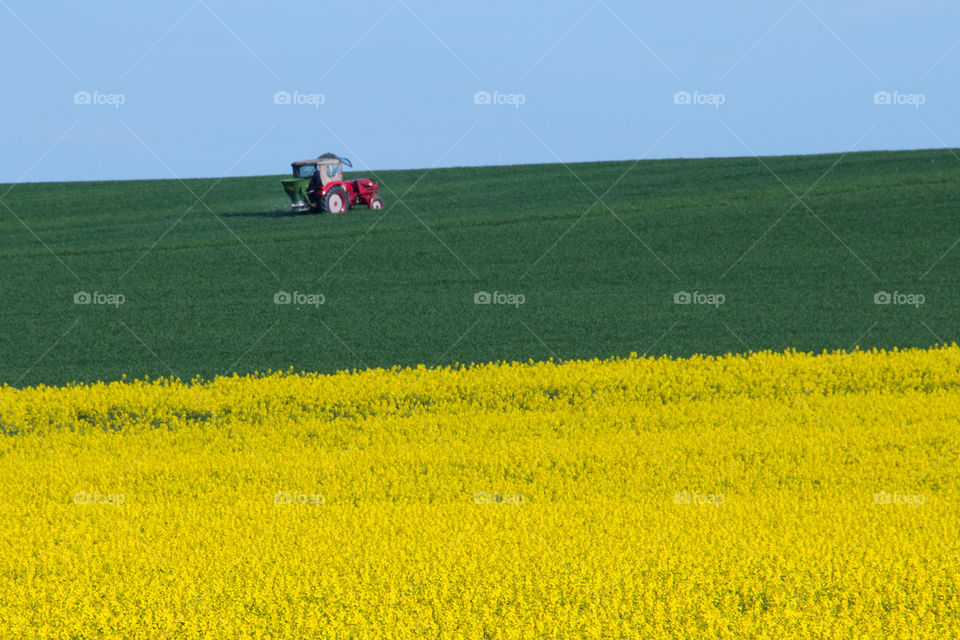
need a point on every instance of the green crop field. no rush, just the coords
(585, 261)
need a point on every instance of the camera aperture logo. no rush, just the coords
(498, 297)
(898, 99)
(899, 298)
(97, 297)
(698, 297)
(515, 100)
(715, 100)
(299, 99)
(97, 98)
(297, 298)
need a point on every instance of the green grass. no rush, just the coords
(598, 279)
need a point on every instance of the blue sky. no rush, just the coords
(191, 88)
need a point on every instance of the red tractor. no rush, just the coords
(318, 185)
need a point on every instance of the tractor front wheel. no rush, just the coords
(376, 202)
(335, 201)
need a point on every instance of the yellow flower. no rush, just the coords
(771, 495)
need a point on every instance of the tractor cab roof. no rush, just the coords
(327, 158)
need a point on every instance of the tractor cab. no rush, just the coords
(322, 170)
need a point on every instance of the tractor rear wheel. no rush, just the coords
(335, 201)
(376, 202)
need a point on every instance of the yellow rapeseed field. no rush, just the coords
(775, 495)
